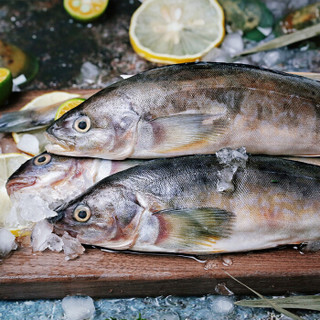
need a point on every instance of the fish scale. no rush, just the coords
(166, 205)
(194, 108)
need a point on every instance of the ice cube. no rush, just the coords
(223, 305)
(78, 307)
(231, 160)
(72, 247)
(233, 44)
(217, 55)
(7, 242)
(278, 8)
(271, 58)
(89, 72)
(229, 157)
(29, 144)
(40, 235)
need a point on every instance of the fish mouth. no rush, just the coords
(57, 145)
(14, 185)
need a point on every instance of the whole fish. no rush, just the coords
(58, 179)
(199, 204)
(194, 108)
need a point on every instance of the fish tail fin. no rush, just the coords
(18, 121)
(193, 230)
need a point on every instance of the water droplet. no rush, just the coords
(222, 289)
(226, 261)
(210, 264)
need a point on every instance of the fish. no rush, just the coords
(28, 120)
(194, 108)
(198, 204)
(58, 179)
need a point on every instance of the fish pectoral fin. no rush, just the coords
(193, 229)
(180, 132)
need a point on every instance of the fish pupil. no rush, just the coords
(82, 214)
(82, 125)
(42, 159)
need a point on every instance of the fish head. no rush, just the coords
(41, 172)
(97, 128)
(109, 219)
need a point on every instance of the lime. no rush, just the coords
(22, 65)
(68, 105)
(5, 84)
(176, 31)
(85, 10)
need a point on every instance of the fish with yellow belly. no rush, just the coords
(205, 204)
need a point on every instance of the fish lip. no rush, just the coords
(16, 184)
(57, 218)
(55, 144)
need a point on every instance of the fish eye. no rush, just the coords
(42, 159)
(82, 213)
(82, 124)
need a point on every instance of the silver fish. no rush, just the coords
(194, 108)
(58, 179)
(199, 204)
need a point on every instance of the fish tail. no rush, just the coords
(25, 120)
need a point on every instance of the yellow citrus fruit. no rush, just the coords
(176, 31)
(33, 142)
(5, 84)
(9, 163)
(85, 10)
(68, 105)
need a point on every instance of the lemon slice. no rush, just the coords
(68, 105)
(176, 31)
(9, 163)
(5, 84)
(85, 10)
(34, 141)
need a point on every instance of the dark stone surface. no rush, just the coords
(61, 44)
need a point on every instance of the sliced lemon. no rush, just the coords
(33, 142)
(85, 10)
(9, 163)
(68, 105)
(5, 84)
(176, 31)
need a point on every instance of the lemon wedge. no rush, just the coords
(9, 163)
(85, 10)
(5, 84)
(176, 31)
(33, 142)
(68, 105)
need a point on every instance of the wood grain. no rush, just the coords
(27, 275)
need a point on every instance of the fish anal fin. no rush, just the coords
(193, 229)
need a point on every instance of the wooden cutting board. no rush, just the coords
(28, 275)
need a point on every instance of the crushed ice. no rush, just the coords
(78, 307)
(72, 247)
(231, 160)
(7, 242)
(43, 238)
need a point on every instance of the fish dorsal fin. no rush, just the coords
(180, 132)
(193, 229)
